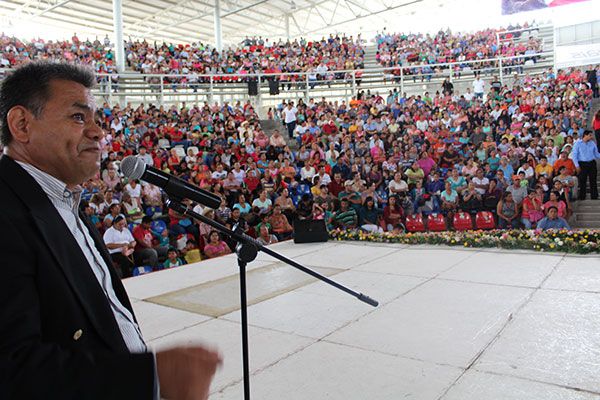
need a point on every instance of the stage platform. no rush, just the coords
(453, 324)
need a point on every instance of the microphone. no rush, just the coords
(135, 168)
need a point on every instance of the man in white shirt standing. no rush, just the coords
(478, 87)
(289, 118)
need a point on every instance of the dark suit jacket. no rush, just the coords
(58, 336)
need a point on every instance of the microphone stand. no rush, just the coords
(247, 249)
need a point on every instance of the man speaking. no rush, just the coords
(67, 328)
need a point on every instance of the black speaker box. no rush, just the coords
(252, 88)
(273, 87)
(310, 231)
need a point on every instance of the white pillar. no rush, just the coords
(118, 32)
(218, 34)
(287, 26)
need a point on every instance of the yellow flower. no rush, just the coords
(552, 245)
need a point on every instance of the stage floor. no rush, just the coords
(453, 324)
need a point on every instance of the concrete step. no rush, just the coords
(587, 217)
(585, 209)
(587, 225)
(269, 125)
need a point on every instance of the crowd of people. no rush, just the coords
(519, 150)
(319, 58)
(516, 152)
(416, 53)
(96, 53)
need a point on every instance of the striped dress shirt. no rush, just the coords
(66, 203)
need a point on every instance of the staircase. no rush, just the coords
(586, 214)
(370, 53)
(271, 125)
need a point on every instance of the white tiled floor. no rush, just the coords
(453, 324)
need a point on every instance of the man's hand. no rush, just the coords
(578, 170)
(185, 373)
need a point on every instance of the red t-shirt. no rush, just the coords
(142, 235)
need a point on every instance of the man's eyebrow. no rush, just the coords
(82, 106)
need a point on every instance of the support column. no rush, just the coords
(218, 33)
(118, 38)
(287, 27)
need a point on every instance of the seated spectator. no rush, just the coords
(414, 174)
(147, 251)
(215, 246)
(345, 217)
(472, 200)
(264, 235)
(492, 196)
(543, 169)
(352, 195)
(152, 197)
(552, 220)
(393, 215)
(531, 210)
(555, 201)
(113, 212)
(508, 212)
(120, 244)
(134, 189)
(132, 210)
(565, 161)
(397, 186)
(280, 225)
(369, 217)
(263, 202)
(192, 252)
(112, 179)
(305, 207)
(518, 191)
(173, 259)
(458, 183)
(241, 205)
(480, 182)
(450, 200)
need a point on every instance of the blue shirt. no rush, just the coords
(558, 223)
(584, 151)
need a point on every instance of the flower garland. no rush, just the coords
(564, 241)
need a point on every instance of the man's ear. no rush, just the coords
(19, 123)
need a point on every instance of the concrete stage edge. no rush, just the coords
(453, 324)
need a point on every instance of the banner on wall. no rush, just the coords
(577, 55)
(517, 6)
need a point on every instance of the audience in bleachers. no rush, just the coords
(406, 51)
(374, 163)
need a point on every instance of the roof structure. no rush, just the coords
(186, 21)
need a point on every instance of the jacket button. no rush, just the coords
(77, 334)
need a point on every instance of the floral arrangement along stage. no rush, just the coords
(581, 242)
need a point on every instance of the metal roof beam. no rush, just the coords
(39, 11)
(368, 15)
(359, 5)
(244, 8)
(152, 16)
(201, 15)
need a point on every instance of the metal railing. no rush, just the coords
(343, 85)
(340, 84)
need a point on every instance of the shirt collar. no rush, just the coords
(54, 188)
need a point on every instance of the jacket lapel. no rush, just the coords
(116, 281)
(68, 255)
